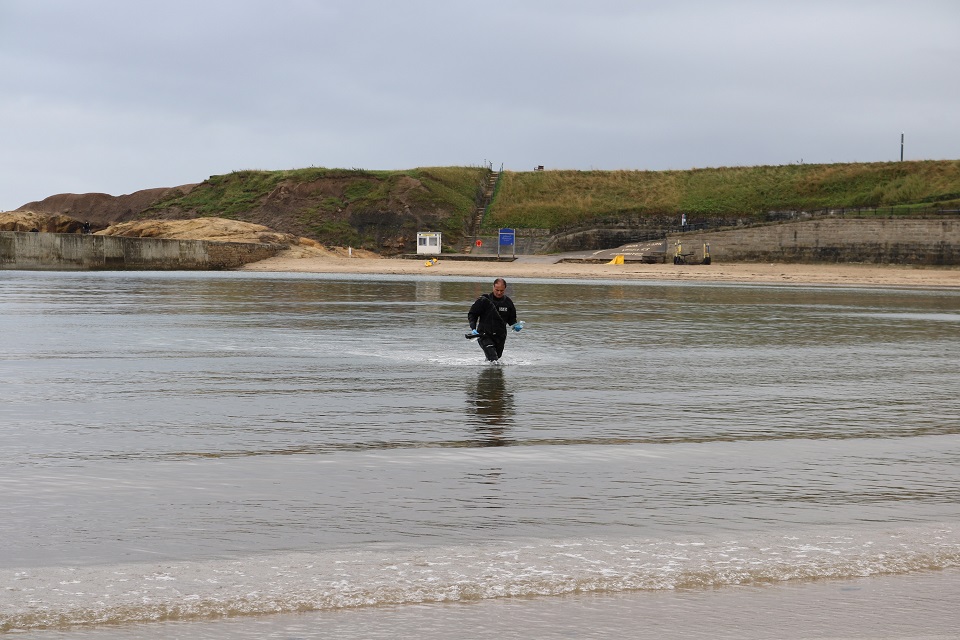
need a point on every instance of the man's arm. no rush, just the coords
(511, 314)
(474, 314)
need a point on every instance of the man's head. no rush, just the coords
(499, 287)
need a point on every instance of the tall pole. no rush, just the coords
(901, 146)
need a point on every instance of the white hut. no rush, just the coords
(428, 243)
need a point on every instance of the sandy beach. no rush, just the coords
(552, 267)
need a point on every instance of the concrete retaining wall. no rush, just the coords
(891, 240)
(526, 241)
(71, 252)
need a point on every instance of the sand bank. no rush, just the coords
(549, 267)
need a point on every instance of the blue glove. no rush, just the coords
(474, 332)
(518, 326)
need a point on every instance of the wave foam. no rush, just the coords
(68, 596)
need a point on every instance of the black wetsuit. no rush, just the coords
(490, 317)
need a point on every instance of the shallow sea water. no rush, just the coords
(305, 456)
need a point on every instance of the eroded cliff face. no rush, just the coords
(100, 210)
(334, 211)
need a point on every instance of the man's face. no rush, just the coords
(498, 290)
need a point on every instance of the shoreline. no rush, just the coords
(871, 275)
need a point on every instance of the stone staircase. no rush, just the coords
(488, 188)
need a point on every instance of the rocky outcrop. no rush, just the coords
(212, 229)
(217, 229)
(33, 221)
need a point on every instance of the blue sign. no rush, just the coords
(506, 237)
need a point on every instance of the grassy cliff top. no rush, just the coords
(383, 210)
(553, 199)
(378, 210)
(243, 191)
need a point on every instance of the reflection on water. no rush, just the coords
(329, 440)
(491, 408)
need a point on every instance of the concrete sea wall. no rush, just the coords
(72, 252)
(917, 241)
(880, 241)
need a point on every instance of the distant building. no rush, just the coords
(428, 242)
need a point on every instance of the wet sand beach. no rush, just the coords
(553, 267)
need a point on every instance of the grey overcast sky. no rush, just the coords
(119, 95)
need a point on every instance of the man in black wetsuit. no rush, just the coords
(489, 317)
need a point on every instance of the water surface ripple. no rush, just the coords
(192, 446)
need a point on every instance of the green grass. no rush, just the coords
(337, 233)
(358, 207)
(231, 195)
(556, 199)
